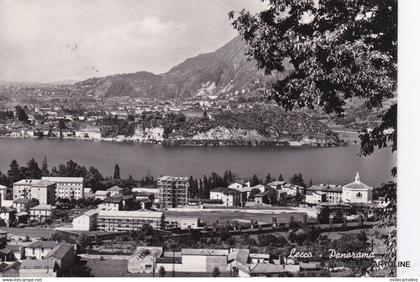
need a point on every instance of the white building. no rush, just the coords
(333, 192)
(39, 249)
(68, 187)
(22, 188)
(128, 220)
(115, 190)
(44, 192)
(315, 197)
(357, 192)
(41, 213)
(87, 221)
(230, 197)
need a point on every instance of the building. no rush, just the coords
(3, 193)
(332, 192)
(8, 215)
(114, 191)
(112, 204)
(44, 191)
(63, 255)
(68, 187)
(21, 204)
(183, 223)
(101, 195)
(143, 259)
(41, 213)
(262, 198)
(128, 220)
(38, 268)
(240, 184)
(230, 197)
(315, 197)
(173, 191)
(87, 221)
(22, 188)
(357, 192)
(204, 260)
(39, 249)
(292, 190)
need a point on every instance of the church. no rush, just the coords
(357, 192)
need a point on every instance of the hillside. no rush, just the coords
(226, 69)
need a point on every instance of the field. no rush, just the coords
(32, 232)
(240, 215)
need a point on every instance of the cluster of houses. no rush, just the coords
(34, 258)
(226, 262)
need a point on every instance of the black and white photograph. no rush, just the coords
(197, 138)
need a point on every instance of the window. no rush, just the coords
(359, 195)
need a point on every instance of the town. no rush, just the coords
(57, 223)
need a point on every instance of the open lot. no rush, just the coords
(244, 215)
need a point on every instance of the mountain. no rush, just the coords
(226, 69)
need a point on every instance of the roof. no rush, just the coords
(172, 178)
(205, 252)
(357, 184)
(42, 207)
(115, 188)
(101, 192)
(277, 182)
(175, 260)
(262, 194)
(26, 181)
(326, 188)
(43, 244)
(268, 268)
(263, 256)
(113, 200)
(171, 254)
(14, 248)
(63, 179)
(21, 201)
(43, 183)
(240, 255)
(138, 213)
(2, 187)
(309, 265)
(38, 264)
(60, 251)
(224, 190)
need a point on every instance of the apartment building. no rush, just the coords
(128, 220)
(67, 187)
(173, 191)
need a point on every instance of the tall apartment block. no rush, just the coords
(173, 191)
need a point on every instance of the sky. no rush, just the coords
(55, 40)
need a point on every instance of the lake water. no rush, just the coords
(322, 165)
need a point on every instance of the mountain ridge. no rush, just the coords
(226, 69)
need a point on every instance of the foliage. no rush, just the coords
(321, 54)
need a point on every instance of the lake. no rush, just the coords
(322, 165)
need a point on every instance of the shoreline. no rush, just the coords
(198, 143)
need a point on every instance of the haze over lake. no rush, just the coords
(322, 165)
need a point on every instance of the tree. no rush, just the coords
(268, 179)
(323, 53)
(44, 167)
(20, 114)
(280, 178)
(216, 272)
(116, 171)
(162, 271)
(255, 180)
(252, 193)
(32, 170)
(14, 172)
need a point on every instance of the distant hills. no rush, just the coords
(225, 70)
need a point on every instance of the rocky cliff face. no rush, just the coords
(226, 69)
